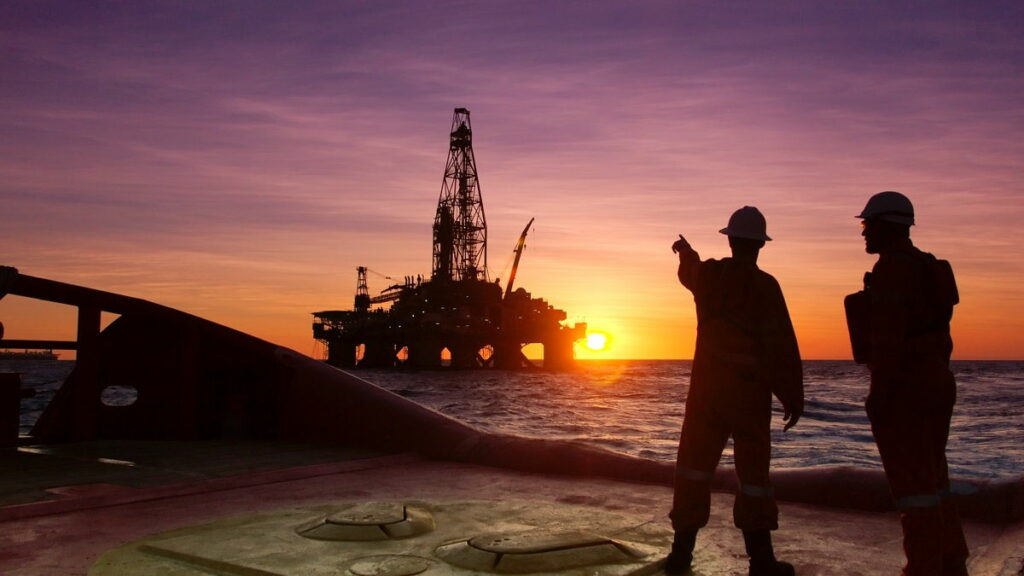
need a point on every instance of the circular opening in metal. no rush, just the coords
(119, 396)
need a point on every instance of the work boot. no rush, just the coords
(681, 556)
(762, 555)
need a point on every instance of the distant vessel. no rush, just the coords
(27, 355)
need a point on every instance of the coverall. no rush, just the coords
(911, 400)
(746, 350)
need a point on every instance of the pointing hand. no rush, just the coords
(680, 245)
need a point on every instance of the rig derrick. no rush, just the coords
(458, 317)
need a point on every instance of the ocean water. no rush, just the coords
(636, 407)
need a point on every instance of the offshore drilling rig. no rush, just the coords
(457, 318)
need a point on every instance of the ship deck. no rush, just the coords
(106, 508)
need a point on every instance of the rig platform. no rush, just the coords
(457, 318)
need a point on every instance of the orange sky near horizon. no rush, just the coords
(238, 162)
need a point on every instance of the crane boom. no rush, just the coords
(519, 252)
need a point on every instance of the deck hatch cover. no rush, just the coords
(536, 551)
(370, 521)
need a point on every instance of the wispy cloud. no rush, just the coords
(269, 148)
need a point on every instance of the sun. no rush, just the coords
(596, 341)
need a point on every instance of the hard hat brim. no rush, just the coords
(745, 235)
(905, 219)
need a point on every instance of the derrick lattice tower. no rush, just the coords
(362, 292)
(460, 228)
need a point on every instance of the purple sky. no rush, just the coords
(240, 159)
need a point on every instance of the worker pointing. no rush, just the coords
(746, 351)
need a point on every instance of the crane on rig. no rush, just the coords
(520, 245)
(363, 300)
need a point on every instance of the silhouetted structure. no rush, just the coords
(458, 310)
(460, 227)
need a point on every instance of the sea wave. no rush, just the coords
(637, 406)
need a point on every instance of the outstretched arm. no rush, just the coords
(688, 261)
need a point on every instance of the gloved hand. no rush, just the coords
(791, 415)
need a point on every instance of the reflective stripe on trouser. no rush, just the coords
(701, 443)
(691, 502)
(755, 508)
(912, 448)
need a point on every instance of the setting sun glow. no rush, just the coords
(596, 341)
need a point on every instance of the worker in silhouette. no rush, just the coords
(746, 351)
(899, 327)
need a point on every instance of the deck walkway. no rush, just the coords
(104, 508)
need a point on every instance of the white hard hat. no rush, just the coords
(747, 222)
(889, 206)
